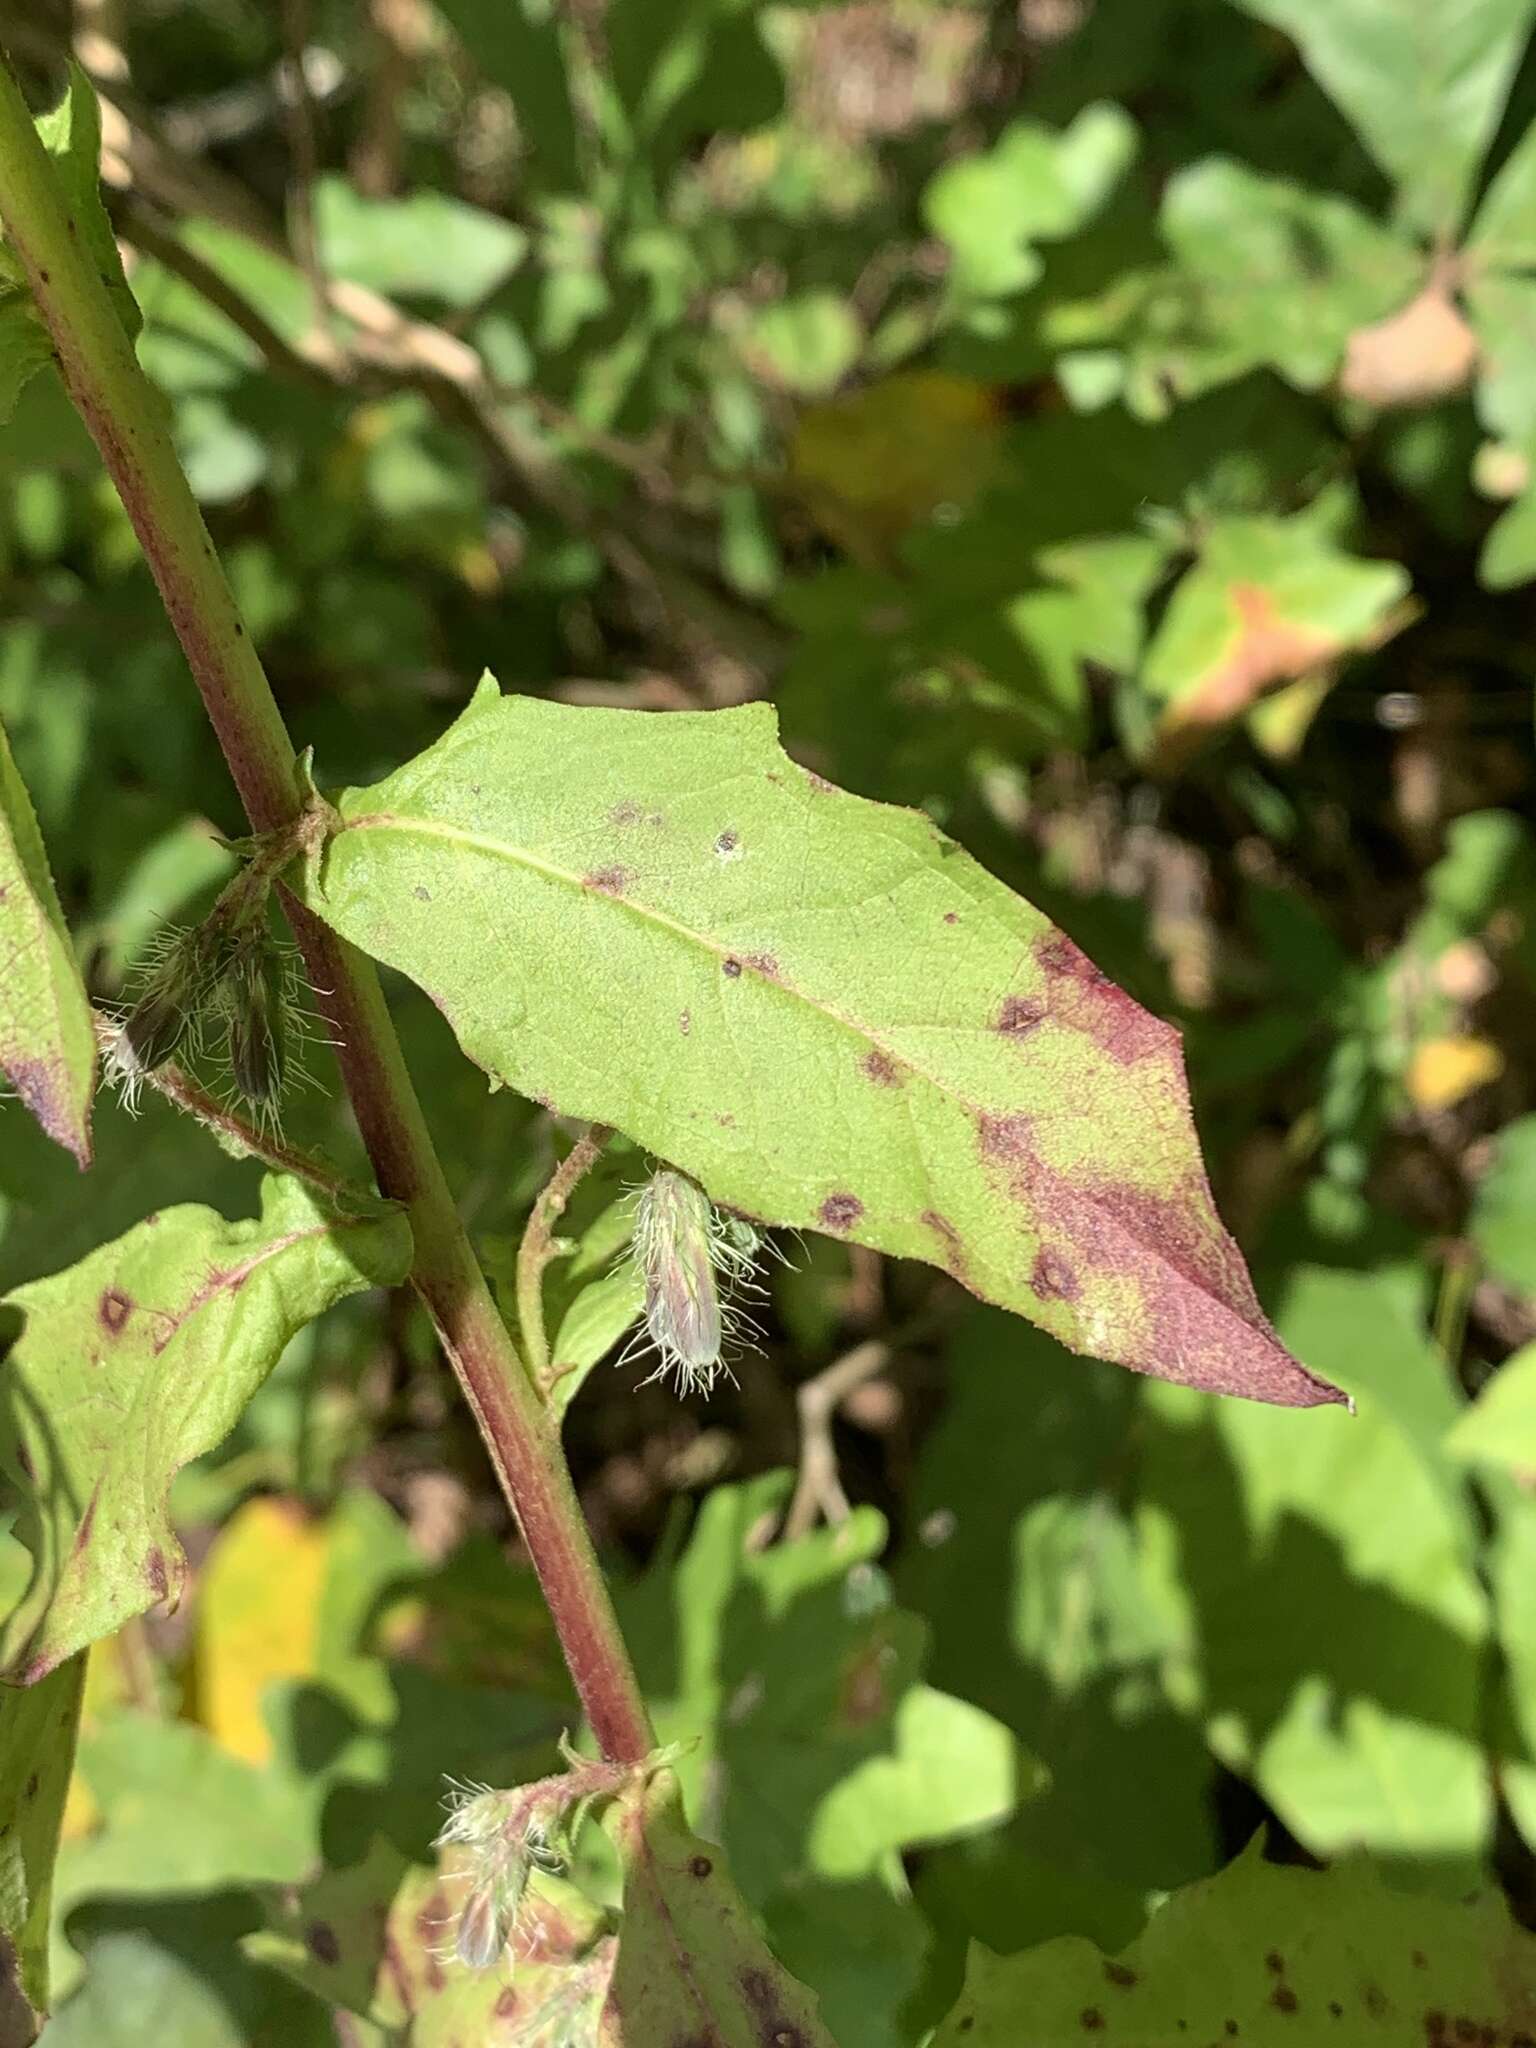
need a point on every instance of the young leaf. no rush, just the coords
(47, 1045)
(71, 134)
(37, 1754)
(1423, 81)
(1266, 1955)
(818, 1006)
(136, 1360)
(690, 1965)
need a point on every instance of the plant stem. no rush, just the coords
(128, 423)
(538, 1247)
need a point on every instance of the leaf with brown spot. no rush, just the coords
(389, 1956)
(97, 1416)
(814, 968)
(691, 1966)
(1274, 1957)
(1268, 600)
(47, 1044)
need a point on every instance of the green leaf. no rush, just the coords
(1335, 1630)
(1422, 80)
(1502, 310)
(690, 1965)
(1503, 235)
(819, 1007)
(1050, 1607)
(516, 44)
(71, 134)
(1267, 1956)
(37, 1754)
(808, 343)
(1033, 185)
(47, 1044)
(1503, 1220)
(1500, 1426)
(138, 1992)
(427, 246)
(136, 1360)
(827, 1772)
(1282, 276)
(951, 1771)
(1268, 600)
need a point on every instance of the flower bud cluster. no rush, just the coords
(227, 988)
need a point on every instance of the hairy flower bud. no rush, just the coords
(254, 994)
(168, 1013)
(690, 1259)
(503, 1837)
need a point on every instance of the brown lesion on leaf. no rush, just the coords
(1018, 1016)
(87, 1521)
(1052, 1278)
(774, 2027)
(506, 2003)
(880, 1068)
(608, 881)
(951, 917)
(840, 1211)
(626, 813)
(766, 964)
(113, 1310)
(1121, 1975)
(954, 1251)
(320, 1940)
(156, 1572)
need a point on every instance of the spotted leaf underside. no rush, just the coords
(819, 1006)
(134, 1361)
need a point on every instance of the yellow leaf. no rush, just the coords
(1443, 1070)
(258, 1607)
(871, 465)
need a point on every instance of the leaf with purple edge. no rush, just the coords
(819, 1007)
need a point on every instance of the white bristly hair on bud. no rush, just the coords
(694, 1262)
(503, 1843)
